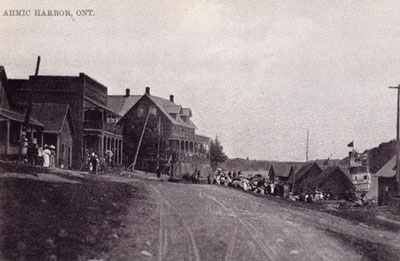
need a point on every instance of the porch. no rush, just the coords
(101, 141)
(12, 132)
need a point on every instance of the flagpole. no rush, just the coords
(158, 141)
(397, 139)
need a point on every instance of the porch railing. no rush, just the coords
(99, 125)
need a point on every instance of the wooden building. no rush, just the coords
(169, 134)
(3, 95)
(303, 180)
(95, 127)
(386, 181)
(12, 132)
(280, 172)
(58, 130)
(11, 123)
(335, 181)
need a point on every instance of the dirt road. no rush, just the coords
(205, 222)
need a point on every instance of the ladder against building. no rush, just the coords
(132, 166)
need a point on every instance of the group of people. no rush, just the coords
(49, 156)
(37, 156)
(259, 184)
(97, 163)
(194, 177)
(256, 183)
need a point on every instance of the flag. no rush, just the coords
(326, 162)
(351, 144)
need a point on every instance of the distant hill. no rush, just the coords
(377, 157)
(245, 164)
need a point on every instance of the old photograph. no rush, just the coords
(199, 130)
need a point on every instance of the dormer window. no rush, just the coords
(173, 115)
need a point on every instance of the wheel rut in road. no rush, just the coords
(249, 229)
(201, 222)
(163, 229)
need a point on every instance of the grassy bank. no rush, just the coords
(60, 221)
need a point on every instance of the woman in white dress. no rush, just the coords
(46, 156)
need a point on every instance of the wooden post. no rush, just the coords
(57, 154)
(294, 179)
(8, 137)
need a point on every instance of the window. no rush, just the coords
(62, 150)
(69, 156)
(3, 131)
(153, 111)
(14, 133)
(105, 116)
(365, 177)
(140, 111)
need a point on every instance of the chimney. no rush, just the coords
(171, 98)
(148, 90)
(127, 92)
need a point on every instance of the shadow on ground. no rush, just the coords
(61, 221)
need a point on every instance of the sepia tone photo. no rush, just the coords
(199, 130)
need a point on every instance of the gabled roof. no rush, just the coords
(121, 104)
(162, 104)
(282, 170)
(187, 123)
(53, 116)
(328, 172)
(263, 173)
(302, 171)
(19, 117)
(388, 170)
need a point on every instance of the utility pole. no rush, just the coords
(397, 139)
(158, 141)
(307, 146)
(28, 112)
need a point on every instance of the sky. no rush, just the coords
(257, 74)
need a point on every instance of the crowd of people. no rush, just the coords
(35, 155)
(255, 183)
(97, 163)
(259, 184)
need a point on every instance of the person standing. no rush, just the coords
(198, 176)
(158, 171)
(52, 155)
(94, 162)
(39, 158)
(46, 156)
(31, 154)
